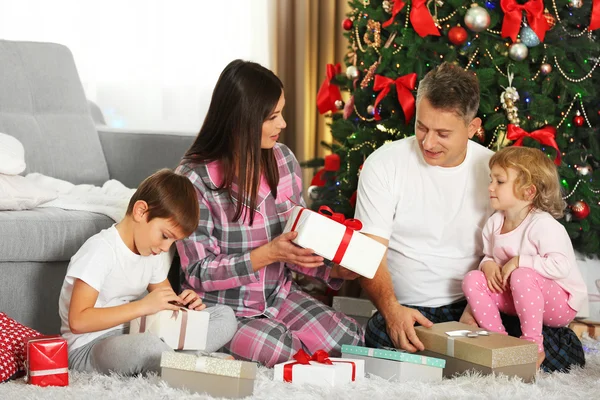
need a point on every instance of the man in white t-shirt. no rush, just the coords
(425, 197)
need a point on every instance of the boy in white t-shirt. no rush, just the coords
(113, 268)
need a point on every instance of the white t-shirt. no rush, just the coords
(119, 275)
(432, 216)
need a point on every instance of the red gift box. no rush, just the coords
(47, 361)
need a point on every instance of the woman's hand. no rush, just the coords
(337, 271)
(282, 249)
(190, 299)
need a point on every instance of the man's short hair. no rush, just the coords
(449, 87)
(169, 196)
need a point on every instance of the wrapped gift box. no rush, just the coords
(47, 362)
(181, 330)
(359, 309)
(335, 241)
(487, 352)
(341, 371)
(214, 376)
(580, 326)
(397, 365)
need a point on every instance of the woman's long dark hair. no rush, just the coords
(245, 95)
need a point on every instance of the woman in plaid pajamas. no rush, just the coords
(247, 185)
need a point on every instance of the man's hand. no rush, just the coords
(508, 269)
(401, 330)
(493, 276)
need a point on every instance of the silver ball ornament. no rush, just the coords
(477, 18)
(339, 104)
(313, 192)
(584, 170)
(352, 72)
(575, 3)
(545, 68)
(518, 51)
(371, 110)
(528, 37)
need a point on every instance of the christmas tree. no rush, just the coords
(536, 62)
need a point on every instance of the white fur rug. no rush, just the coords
(580, 383)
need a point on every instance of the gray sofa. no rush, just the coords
(42, 103)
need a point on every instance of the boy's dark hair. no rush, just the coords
(169, 196)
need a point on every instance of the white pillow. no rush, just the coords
(17, 193)
(12, 155)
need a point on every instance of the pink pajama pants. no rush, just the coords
(536, 300)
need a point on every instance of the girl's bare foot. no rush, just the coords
(541, 358)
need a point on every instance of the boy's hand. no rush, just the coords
(508, 269)
(492, 273)
(190, 299)
(160, 299)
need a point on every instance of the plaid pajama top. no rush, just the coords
(215, 260)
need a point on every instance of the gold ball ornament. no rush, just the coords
(545, 68)
(477, 18)
(352, 72)
(518, 51)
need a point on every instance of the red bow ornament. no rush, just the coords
(513, 14)
(545, 136)
(404, 85)
(420, 18)
(329, 93)
(595, 20)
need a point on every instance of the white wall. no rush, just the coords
(148, 64)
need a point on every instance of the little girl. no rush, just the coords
(529, 266)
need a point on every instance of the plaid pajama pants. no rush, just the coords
(562, 346)
(302, 323)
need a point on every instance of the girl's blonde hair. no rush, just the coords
(533, 167)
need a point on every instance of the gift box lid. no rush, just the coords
(393, 354)
(491, 349)
(208, 365)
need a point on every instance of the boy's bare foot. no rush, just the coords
(541, 358)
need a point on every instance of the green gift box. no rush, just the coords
(398, 365)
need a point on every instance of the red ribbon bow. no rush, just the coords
(420, 18)
(513, 12)
(404, 85)
(320, 356)
(350, 223)
(546, 136)
(329, 93)
(351, 226)
(595, 20)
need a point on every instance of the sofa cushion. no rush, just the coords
(46, 234)
(43, 105)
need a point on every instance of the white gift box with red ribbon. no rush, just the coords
(337, 239)
(319, 369)
(181, 330)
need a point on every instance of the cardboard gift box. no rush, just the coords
(181, 330)
(333, 237)
(359, 309)
(47, 362)
(319, 369)
(482, 351)
(397, 365)
(581, 326)
(214, 376)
